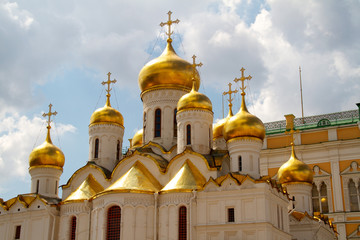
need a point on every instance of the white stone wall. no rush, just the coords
(108, 135)
(201, 130)
(260, 212)
(249, 150)
(48, 179)
(136, 208)
(166, 100)
(302, 194)
(36, 223)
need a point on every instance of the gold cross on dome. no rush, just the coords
(108, 82)
(242, 79)
(169, 23)
(194, 65)
(49, 114)
(230, 92)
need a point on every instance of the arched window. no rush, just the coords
(73, 228)
(182, 223)
(118, 150)
(113, 223)
(188, 134)
(175, 123)
(324, 198)
(240, 164)
(315, 199)
(56, 187)
(320, 199)
(158, 123)
(96, 153)
(144, 126)
(37, 186)
(353, 194)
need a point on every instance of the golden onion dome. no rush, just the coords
(295, 171)
(137, 140)
(107, 115)
(219, 126)
(47, 155)
(244, 124)
(167, 71)
(194, 100)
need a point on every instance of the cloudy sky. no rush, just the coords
(60, 52)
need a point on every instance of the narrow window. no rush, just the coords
(315, 199)
(37, 186)
(158, 123)
(188, 134)
(17, 232)
(96, 154)
(231, 215)
(144, 126)
(324, 199)
(113, 223)
(240, 164)
(73, 228)
(118, 150)
(56, 183)
(354, 203)
(47, 186)
(175, 123)
(182, 223)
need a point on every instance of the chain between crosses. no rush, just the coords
(242, 79)
(169, 23)
(230, 92)
(49, 114)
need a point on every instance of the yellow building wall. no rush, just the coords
(346, 163)
(314, 137)
(348, 133)
(351, 227)
(278, 142)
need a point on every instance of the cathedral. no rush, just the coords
(186, 177)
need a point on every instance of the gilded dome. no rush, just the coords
(137, 140)
(194, 100)
(295, 171)
(167, 71)
(219, 126)
(244, 124)
(47, 155)
(107, 115)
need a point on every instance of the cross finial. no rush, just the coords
(108, 82)
(290, 127)
(242, 79)
(49, 114)
(194, 65)
(230, 92)
(169, 23)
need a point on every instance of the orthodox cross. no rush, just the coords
(49, 114)
(108, 82)
(242, 79)
(290, 127)
(194, 65)
(230, 92)
(169, 23)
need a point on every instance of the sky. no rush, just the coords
(59, 52)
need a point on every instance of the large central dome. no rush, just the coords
(167, 71)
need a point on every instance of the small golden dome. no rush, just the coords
(219, 126)
(244, 124)
(194, 100)
(47, 155)
(167, 71)
(107, 115)
(295, 171)
(137, 140)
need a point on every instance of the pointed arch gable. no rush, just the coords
(149, 162)
(179, 159)
(81, 174)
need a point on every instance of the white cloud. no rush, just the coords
(18, 136)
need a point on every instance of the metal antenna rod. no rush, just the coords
(302, 105)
